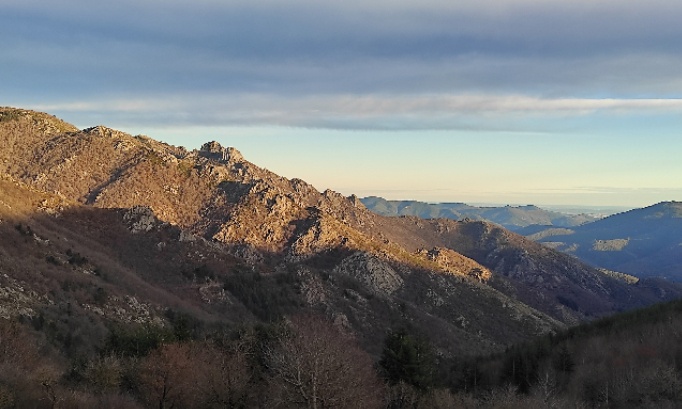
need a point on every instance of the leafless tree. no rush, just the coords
(316, 366)
(225, 380)
(167, 377)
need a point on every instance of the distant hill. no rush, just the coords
(643, 242)
(513, 218)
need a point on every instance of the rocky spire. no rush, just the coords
(213, 150)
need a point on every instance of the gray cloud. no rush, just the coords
(225, 56)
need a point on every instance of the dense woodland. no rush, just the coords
(629, 360)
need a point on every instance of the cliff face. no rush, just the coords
(209, 230)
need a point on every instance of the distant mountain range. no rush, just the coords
(643, 242)
(514, 218)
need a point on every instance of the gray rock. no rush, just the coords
(375, 274)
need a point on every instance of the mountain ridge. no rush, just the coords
(643, 242)
(238, 224)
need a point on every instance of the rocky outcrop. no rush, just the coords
(317, 236)
(455, 263)
(140, 219)
(105, 132)
(372, 272)
(213, 150)
(17, 299)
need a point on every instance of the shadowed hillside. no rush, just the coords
(643, 242)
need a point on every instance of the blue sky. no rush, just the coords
(488, 101)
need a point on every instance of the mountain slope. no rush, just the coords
(550, 281)
(643, 242)
(145, 267)
(231, 242)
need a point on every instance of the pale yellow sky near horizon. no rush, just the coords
(449, 166)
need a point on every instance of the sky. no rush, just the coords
(489, 101)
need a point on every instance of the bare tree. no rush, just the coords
(27, 375)
(225, 380)
(167, 377)
(316, 366)
(104, 373)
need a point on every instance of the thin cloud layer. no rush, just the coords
(360, 112)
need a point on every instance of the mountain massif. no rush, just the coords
(267, 223)
(100, 229)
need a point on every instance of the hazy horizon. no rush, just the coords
(496, 101)
(569, 208)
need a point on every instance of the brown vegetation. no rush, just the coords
(316, 366)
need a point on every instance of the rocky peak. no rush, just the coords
(103, 131)
(338, 202)
(213, 150)
(37, 121)
(355, 201)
